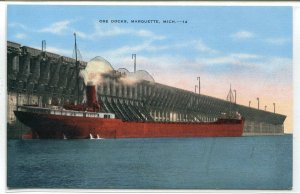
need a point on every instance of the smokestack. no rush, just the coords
(91, 94)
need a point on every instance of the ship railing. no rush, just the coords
(82, 114)
(64, 112)
(33, 109)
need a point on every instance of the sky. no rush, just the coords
(247, 47)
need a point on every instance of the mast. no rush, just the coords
(198, 78)
(134, 57)
(77, 69)
(230, 98)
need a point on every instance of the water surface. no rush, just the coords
(262, 162)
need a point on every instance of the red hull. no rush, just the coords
(58, 126)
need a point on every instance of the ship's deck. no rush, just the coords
(60, 111)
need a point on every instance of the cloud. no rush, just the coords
(233, 59)
(60, 51)
(127, 50)
(236, 61)
(153, 47)
(60, 27)
(20, 36)
(80, 34)
(99, 31)
(244, 56)
(200, 46)
(147, 33)
(18, 25)
(197, 45)
(279, 65)
(242, 35)
(278, 41)
(102, 31)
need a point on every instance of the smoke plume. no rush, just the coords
(98, 67)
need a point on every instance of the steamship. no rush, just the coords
(87, 121)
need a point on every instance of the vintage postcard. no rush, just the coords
(149, 97)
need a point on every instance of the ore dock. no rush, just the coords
(38, 77)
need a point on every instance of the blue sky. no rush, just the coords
(211, 32)
(249, 47)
